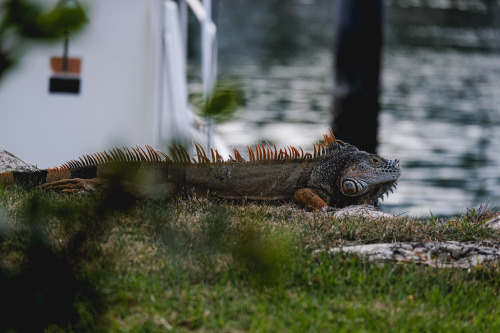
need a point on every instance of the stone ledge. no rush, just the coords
(435, 254)
(494, 223)
(9, 162)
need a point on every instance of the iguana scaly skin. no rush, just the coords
(337, 174)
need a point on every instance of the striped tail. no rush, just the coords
(32, 178)
(6, 179)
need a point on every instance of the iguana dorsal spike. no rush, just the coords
(118, 155)
(114, 155)
(213, 155)
(167, 158)
(123, 158)
(202, 156)
(219, 158)
(181, 155)
(251, 155)
(130, 156)
(158, 156)
(99, 157)
(136, 153)
(263, 151)
(284, 154)
(269, 151)
(237, 155)
(198, 152)
(142, 153)
(329, 140)
(149, 156)
(173, 154)
(106, 156)
(185, 154)
(331, 135)
(152, 154)
(321, 148)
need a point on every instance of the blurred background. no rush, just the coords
(440, 90)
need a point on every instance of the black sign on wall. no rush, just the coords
(66, 73)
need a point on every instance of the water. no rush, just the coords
(440, 101)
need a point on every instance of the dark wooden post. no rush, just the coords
(357, 52)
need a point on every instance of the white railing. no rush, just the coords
(174, 116)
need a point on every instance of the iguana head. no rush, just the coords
(347, 176)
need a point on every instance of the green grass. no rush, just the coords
(213, 266)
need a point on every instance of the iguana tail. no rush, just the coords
(87, 166)
(33, 178)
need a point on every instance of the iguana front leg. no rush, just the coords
(309, 198)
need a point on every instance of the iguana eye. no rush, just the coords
(349, 187)
(375, 160)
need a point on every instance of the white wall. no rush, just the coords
(118, 81)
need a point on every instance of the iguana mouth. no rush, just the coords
(396, 169)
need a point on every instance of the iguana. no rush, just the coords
(337, 174)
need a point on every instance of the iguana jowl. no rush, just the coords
(337, 174)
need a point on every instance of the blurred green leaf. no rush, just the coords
(34, 22)
(22, 19)
(2, 194)
(56, 22)
(224, 102)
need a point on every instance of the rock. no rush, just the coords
(361, 211)
(494, 223)
(435, 254)
(9, 162)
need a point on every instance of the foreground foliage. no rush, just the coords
(108, 262)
